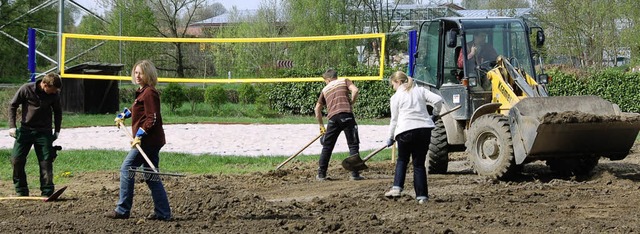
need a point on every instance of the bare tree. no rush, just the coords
(172, 20)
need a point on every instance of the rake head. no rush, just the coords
(147, 173)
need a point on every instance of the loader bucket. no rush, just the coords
(571, 126)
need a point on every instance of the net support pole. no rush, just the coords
(31, 55)
(60, 30)
(413, 41)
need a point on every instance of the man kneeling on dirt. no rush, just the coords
(335, 95)
(37, 100)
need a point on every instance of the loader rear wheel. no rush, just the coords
(490, 147)
(438, 154)
(573, 166)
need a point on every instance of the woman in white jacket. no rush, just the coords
(411, 127)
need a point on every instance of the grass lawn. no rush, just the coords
(70, 162)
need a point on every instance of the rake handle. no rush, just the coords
(144, 155)
(374, 153)
(299, 151)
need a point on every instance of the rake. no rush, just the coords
(153, 173)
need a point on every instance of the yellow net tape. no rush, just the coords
(66, 36)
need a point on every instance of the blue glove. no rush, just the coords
(125, 114)
(122, 116)
(140, 133)
(390, 142)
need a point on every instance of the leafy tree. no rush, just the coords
(585, 34)
(251, 58)
(15, 18)
(327, 18)
(125, 18)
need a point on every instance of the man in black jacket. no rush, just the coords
(38, 101)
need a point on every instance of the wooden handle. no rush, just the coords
(374, 153)
(299, 151)
(144, 155)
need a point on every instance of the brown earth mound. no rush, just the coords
(581, 117)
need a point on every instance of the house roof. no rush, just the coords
(494, 12)
(240, 16)
(227, 18)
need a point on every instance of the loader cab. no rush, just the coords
(462, 81)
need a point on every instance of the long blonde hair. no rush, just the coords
(149, 70)
(403, 78)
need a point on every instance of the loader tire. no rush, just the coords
(438, 154)
(490, 147)
(573, 166)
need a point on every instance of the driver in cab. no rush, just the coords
(479, 51)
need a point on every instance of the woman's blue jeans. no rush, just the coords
(413, 144)
(133, 160)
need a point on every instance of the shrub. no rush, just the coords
(215, 96)
(6, 94)
(194, 95)
(247, 93)
(173, 94)
(232, 96)
(613, 85)
(300, 98)
(127, 95)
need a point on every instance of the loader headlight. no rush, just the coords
(543, 79)
(473, 82)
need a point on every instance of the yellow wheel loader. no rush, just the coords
(507, 119)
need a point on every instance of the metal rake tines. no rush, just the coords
(147, 173)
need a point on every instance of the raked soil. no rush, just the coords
(290, 200)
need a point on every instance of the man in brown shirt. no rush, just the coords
(335, 95)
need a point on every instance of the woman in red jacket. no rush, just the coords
(146, 122)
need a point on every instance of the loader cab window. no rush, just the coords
(520, 50)
(452, 73)
(426, 67)
(478, 54)
(480, 51)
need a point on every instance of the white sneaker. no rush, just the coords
(394, 192)
(422, 200)
(322, 178)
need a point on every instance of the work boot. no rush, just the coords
(394, 192)
(322, 176)
(47, 187)
(116, 215)
(422, 200)
(355, 175)
(156, 217)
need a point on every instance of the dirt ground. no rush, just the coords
(291, 201)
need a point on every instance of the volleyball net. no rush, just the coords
(229, 60)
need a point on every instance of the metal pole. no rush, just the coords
(120, 34)
(32, 54)
(60, 30)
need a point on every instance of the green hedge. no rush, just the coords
(297, 98)
(300, 98)
(613, 85)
